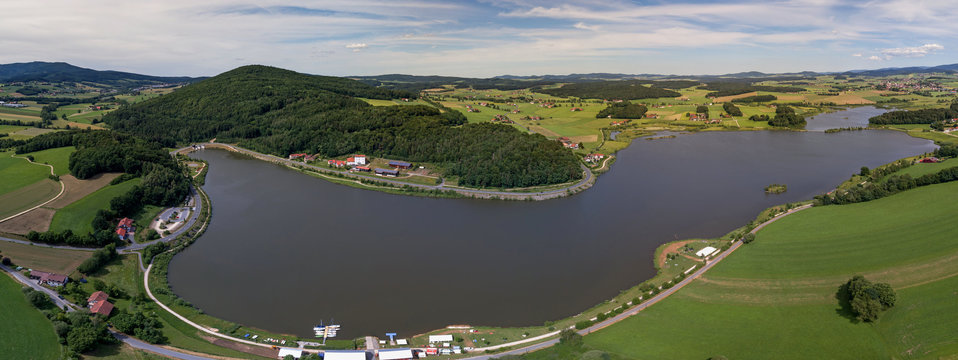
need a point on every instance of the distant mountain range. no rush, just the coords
(63, 72)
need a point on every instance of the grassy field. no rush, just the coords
(26, 197)
(79, 215)
(17, 173)
(42, 258)
(922, 169)
(776, 296)
(26, 333)
(58, 157)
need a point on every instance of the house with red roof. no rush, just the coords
(46, 278)
(96, 297)
(124, 229)
(336, 163)
(102, 307)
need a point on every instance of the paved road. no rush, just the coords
(33, 283)
(156, 349)
(635, 310)
(587, 179)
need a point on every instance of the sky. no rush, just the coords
(481, 38)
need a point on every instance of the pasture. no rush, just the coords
(26, 333)
(18, 172)
(59, 158)
(776, 295)
(79, 215)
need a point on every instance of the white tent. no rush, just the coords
(440, 338)
(708, 250)
(297, 353)
(395, 354)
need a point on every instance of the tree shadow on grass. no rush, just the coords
(844, 304)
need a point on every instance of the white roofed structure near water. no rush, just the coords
(440, 338)
(297, 353)
(344, 355)
(708, 250)
(395, 354)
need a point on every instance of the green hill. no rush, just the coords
(281, 112)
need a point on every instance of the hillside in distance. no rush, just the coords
(281, 112)
(63, 72)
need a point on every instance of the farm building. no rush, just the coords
(440, 338)
(387, 172)
(361, 168)
(345, 355)
(336, 163)
(707, 251)
(929, 160)
(395, 354)
(698, 117)
(399, 164)
(51, 279)
(124, 228)
(594, 157)
(296, 156)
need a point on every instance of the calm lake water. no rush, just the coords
(285, 250)
(850, 118)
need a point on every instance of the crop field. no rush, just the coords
(79, 215)
(26, 333)
(13, 202)
(777, 295)
(43, 258)
(17, 173)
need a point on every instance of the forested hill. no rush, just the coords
(281, 112)
(63, 72)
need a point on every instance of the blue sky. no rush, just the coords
(481, 38)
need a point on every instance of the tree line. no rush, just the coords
(755, 99)
(785, 116)
(923, 116)
(893, 185)
(719, 89)
(281, 112)
(731, 109)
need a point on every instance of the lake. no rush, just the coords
(285, 250)
(849, 118)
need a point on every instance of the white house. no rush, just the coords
(356, 160)
(296, 353)
(707, 251)
(395, 354)
(344, 355)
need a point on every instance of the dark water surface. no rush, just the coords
(285, 250)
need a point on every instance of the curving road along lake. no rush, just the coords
(285, 250)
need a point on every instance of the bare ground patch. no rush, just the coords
(249, 349)
(77, 189)
(37, 220)
(584, 138)
(43, 258)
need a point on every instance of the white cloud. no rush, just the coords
(857, 55)
(583, 26)
(915, 51)
(357, 47)
(874, 58)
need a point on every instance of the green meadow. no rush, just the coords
(17, 172)
(58, 157)
(79, 215)
(26, 333)
(776, 296)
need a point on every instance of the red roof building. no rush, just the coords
(102, 307)
(336, 163)
(126, 223)
(121, 232)
(97, 297)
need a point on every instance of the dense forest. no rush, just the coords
(163, 182)
(719, 89)
(731, 109)
(281, 112)
(755, 99)
(924, 116)
(784, 117)
(623, 110)
(623, 90)
(415, 83)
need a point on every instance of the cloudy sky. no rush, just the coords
(481, 38)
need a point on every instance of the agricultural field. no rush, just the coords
(922, 169)
(26, 333)
(43, 258)
(79, 215)
(777, 295)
